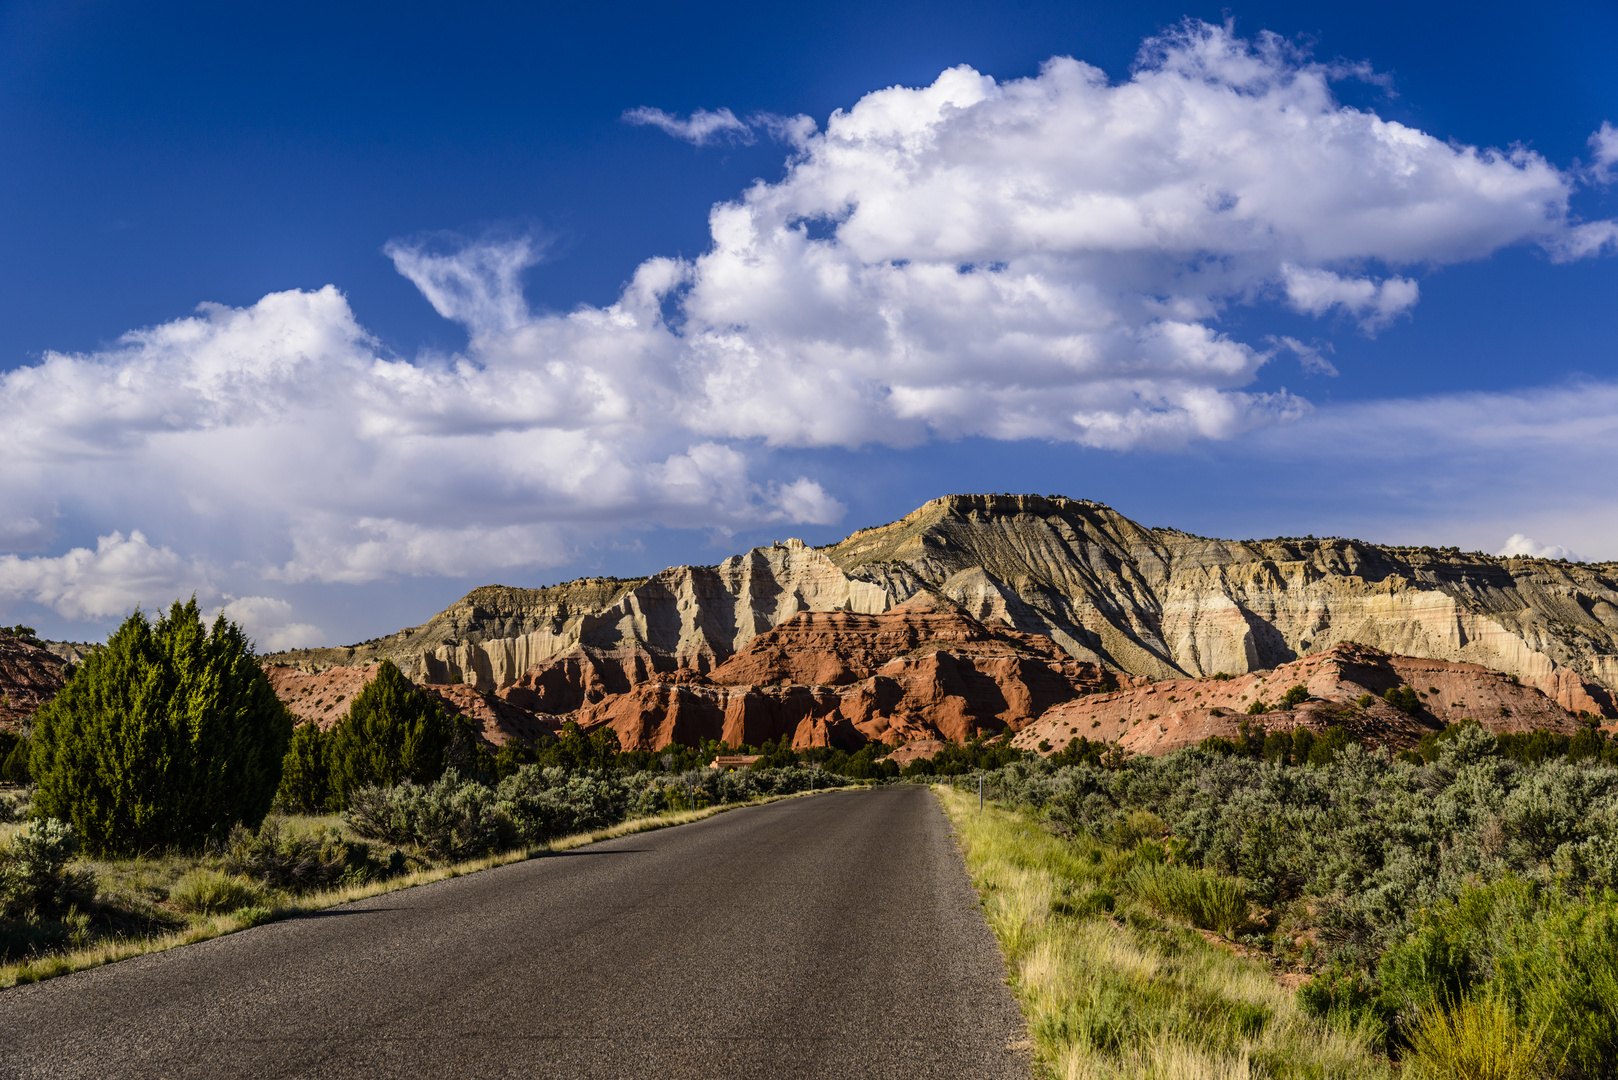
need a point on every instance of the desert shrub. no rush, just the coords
(278, 857)
(1200, 897)
(448, 819)
(14, 806)
(210, 892)
(1473, 1040)
(35, 875)
(393, 732)
(578, 750)
(455, 818)
(167, 737)
(1352, 1000)
(1295, 696)
(306, 772)
(548, 803)
(1550, 963)
(1331, 742)
(1403, 698)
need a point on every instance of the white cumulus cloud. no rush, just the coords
(269, 623)
(1519, 544)
(1604, 150)
(1376, 303)
(119, 574)
(1046, 258)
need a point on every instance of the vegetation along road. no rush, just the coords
(830, 936)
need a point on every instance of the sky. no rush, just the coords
(328, 314)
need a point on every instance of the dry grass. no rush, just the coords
(1110, 991)
(146, 882)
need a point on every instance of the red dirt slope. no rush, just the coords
(1165, 716)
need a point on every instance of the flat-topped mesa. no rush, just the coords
(1345, 685)
(1152, 602)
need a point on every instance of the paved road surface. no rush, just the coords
(832, 936)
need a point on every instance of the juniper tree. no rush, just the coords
(306, 771)
(392, 732)
(168, 737)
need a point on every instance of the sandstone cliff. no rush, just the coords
(1149, 602)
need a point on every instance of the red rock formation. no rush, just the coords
(324, 698)
(925, 670)
(1168, 715)
(497, 721)
(579, 677)
(29, 677)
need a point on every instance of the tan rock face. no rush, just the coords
(1174, 713)
(1149, 602)
(29, 677)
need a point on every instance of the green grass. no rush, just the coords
(213, 892)
(1202, 898)
(1110, 987)
(148, 894)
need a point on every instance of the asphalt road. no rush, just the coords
(833, 936)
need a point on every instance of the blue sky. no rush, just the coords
(1356, 279)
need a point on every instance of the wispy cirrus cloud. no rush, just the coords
(701, 128)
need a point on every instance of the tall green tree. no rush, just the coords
(166, 738)
(392, 732)
(306, 771)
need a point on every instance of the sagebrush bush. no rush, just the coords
(210, 892)
(456, 818)
(278, 857)
(1374, 863)
(14, 807)
(35, 875)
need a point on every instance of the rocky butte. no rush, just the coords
(983, 614)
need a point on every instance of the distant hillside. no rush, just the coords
(1151, 602)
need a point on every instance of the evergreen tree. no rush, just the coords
(306, 772)
(392, 732)
(14, 767)
(166, 738)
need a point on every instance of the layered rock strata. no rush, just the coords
(1151, 602)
